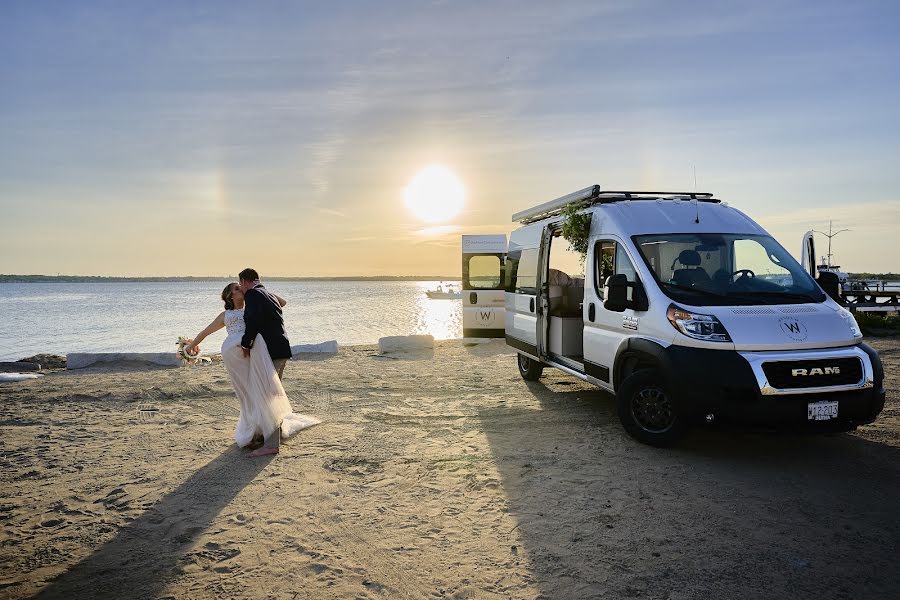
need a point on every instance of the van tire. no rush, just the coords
(529, 369)
(647, 409)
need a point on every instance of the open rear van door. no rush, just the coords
(808, 259)
(483, 258)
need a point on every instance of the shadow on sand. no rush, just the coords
(142, 559)
(313, 357)
(728, 514)
(423, 354)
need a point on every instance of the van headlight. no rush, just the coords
(850, 320)
(700, 327)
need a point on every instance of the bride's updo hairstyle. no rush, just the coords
(227, 297)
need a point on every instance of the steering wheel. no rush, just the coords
(744, 274)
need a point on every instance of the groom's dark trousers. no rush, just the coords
(279, 366)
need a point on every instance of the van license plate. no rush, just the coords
(821, 411)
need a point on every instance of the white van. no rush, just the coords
(683, 307)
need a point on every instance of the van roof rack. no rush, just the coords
(594, 195)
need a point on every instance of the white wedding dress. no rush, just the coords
(264, 403)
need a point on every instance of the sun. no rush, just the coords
(435, 194)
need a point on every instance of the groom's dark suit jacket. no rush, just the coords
(262, 315)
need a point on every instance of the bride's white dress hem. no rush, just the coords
(264, 404)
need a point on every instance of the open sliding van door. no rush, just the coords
(483, 259)
(808, 258)
(523, 297)
(829, 281)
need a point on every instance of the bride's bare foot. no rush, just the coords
(270, 444)
(264, 452)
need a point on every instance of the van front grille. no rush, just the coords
(822, 372)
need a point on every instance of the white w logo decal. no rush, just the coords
(793, 328)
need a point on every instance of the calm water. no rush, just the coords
(148, 317)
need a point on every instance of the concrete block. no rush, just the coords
(329, 347)
(403, 343)
(80, 360)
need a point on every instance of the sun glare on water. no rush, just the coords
(435, 194)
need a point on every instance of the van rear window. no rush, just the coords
(483, 272)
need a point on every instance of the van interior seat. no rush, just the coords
(694, 273)
(688, 277)
(566, 294)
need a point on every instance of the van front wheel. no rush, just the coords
(647, 410)
(530, 369)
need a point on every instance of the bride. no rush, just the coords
(264, 404)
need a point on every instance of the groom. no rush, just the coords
(262, 315)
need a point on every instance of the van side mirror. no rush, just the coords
(830, 284)
(616, 293)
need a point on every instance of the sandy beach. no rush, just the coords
(433, 475)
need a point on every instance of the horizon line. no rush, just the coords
(8, 277)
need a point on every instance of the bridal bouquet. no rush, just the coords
(183, 355)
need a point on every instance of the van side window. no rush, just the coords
(509, 270)
(604, 259)
(521, 271)
(611, 259)
(483, 272)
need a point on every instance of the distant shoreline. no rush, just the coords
(878, 276)
(100, 279)
(890, 277)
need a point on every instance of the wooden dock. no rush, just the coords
(886, 301)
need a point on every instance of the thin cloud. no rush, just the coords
(332, 211)
(438, 230)
(869, 245)
(871, 216)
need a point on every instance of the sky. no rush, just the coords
(197, 138)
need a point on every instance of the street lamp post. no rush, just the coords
(830, 235)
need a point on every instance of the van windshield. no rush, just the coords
(721, 268)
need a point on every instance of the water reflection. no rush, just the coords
(441, 319)
(88, 317)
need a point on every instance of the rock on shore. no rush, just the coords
(47, 361)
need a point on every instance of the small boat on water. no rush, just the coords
(827, 267)
(441, 293)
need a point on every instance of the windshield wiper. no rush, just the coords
(761, 297)
(691, 289)
(794, 295)
(769, 297)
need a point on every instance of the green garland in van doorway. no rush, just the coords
(576, 228)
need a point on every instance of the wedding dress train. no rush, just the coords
(264, 404)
